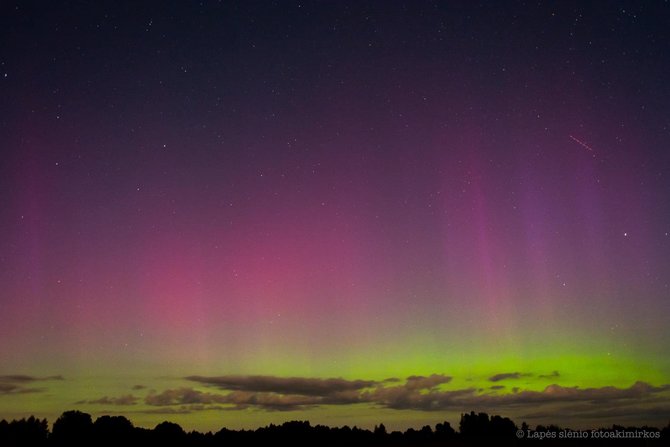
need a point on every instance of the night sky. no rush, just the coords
(237, 213)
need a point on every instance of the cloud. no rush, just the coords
(182, 396)
(619, 410)
(128, 399)
(406, 398)
(280, 394)
(419, 393)
(553, 375)
(167, 411)
(518, 375)
(21, 378)
(421, 382)
(284, 385)
(505, 376)
(284, 394)
(603, 394)
(8, 388)
(246, 399)
(19, 383)
(274, 401)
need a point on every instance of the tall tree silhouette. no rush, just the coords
(380, 430)
(24, 432)
(444, 431)
(474, 424)
(169, 434)
(113, 430)
(73, 428)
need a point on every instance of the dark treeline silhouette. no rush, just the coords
(74, 428)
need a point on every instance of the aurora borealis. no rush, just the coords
(237, 213)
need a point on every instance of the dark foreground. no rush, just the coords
(74, 428)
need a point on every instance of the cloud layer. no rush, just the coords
(23, 384)
(127, 399)
(417, 393)
(505, 376)
(284, 385)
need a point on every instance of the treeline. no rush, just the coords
(74, 428)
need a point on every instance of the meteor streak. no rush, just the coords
(581, 143)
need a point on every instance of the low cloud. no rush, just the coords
(419, 393)
(23, 384)
(553, 375)
(618, 410)
(168, 411)
(283, 385)
(430, 382)
(558, 393)
(21, 378)
(274, 401)
(9, 388)
(517, 375)
(182, 396)
(121, 400)
(506, 376)
(406, 398)
(285, 394)
(245, 399)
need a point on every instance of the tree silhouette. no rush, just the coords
(168, 434)
(380, 431)
(474, 424)
(73, 428)
(113, 430)
(500, 427)
(479, 425)
(28, 432)
(444, 431)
